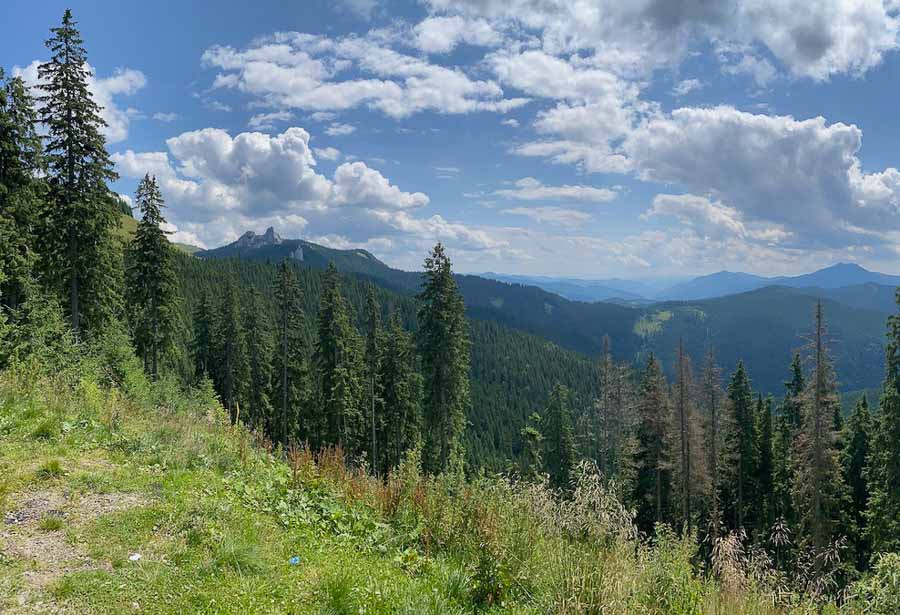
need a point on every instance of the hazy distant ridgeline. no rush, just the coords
(763, 325)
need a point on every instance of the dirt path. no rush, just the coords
(44, 547)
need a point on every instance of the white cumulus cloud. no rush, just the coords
(106, 92)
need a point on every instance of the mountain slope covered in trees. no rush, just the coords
(512, 371)
(755, 326)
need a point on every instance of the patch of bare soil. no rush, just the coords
(49, 554)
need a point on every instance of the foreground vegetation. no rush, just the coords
(120, 494)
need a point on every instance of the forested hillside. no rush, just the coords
(512, 372)
(756, 326)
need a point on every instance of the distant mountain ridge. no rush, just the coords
(723, 283)
(763, 325)
(271, 247)
(719, 284)
(623, 291)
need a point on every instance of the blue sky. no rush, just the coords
(590, 138)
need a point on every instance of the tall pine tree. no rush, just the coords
(882, 520)
(765, 506)
(787, 425)
(855, 463)
(652, 463)
(258, 412)
(21, 191)
(401, 390)
(373, 369)
(817, 481)
(231, 367)
(203, 341)
(445, 348)
(711, 402)
(740, 443)
(340, 363)
(82, 214)
(687, 428)
(289, 360)
(559, 440)
(151, 290)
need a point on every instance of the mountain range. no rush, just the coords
(762, 321)
(720, 284)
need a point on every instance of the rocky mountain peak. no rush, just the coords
(252, 240)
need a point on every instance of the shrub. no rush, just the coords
(879, 593)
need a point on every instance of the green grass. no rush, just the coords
(128, 226)
(50, 469)
(51, 523)
(169, 509)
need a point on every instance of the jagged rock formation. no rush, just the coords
(252, 240)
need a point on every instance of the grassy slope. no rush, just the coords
(178, 482)
(128, 226)
(90, 477)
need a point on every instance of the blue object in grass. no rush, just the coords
(294, 560)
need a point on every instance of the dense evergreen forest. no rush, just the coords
(758, 327)
(328, 360)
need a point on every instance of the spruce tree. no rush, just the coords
(855, 462)
(683, 401)
(532, 463)
(203, 342)
(882, 520)
(792, 407)
(596, 440)
(151, 291)
(289, 360)
(606, 438)
(445, 348)
(401, 390)
(782, 470)
(652, 463)
(232, 369)
(340, 363)
(259, 357)
(21, 191)
(711, 402)
(787, 425)
(740, 442)
(373, 368)
(817, 481)
(765, 507)
(559, 439)
(82, 214)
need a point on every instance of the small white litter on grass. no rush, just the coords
(134, 557)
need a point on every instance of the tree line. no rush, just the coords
(375, 393)
(706, 457)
